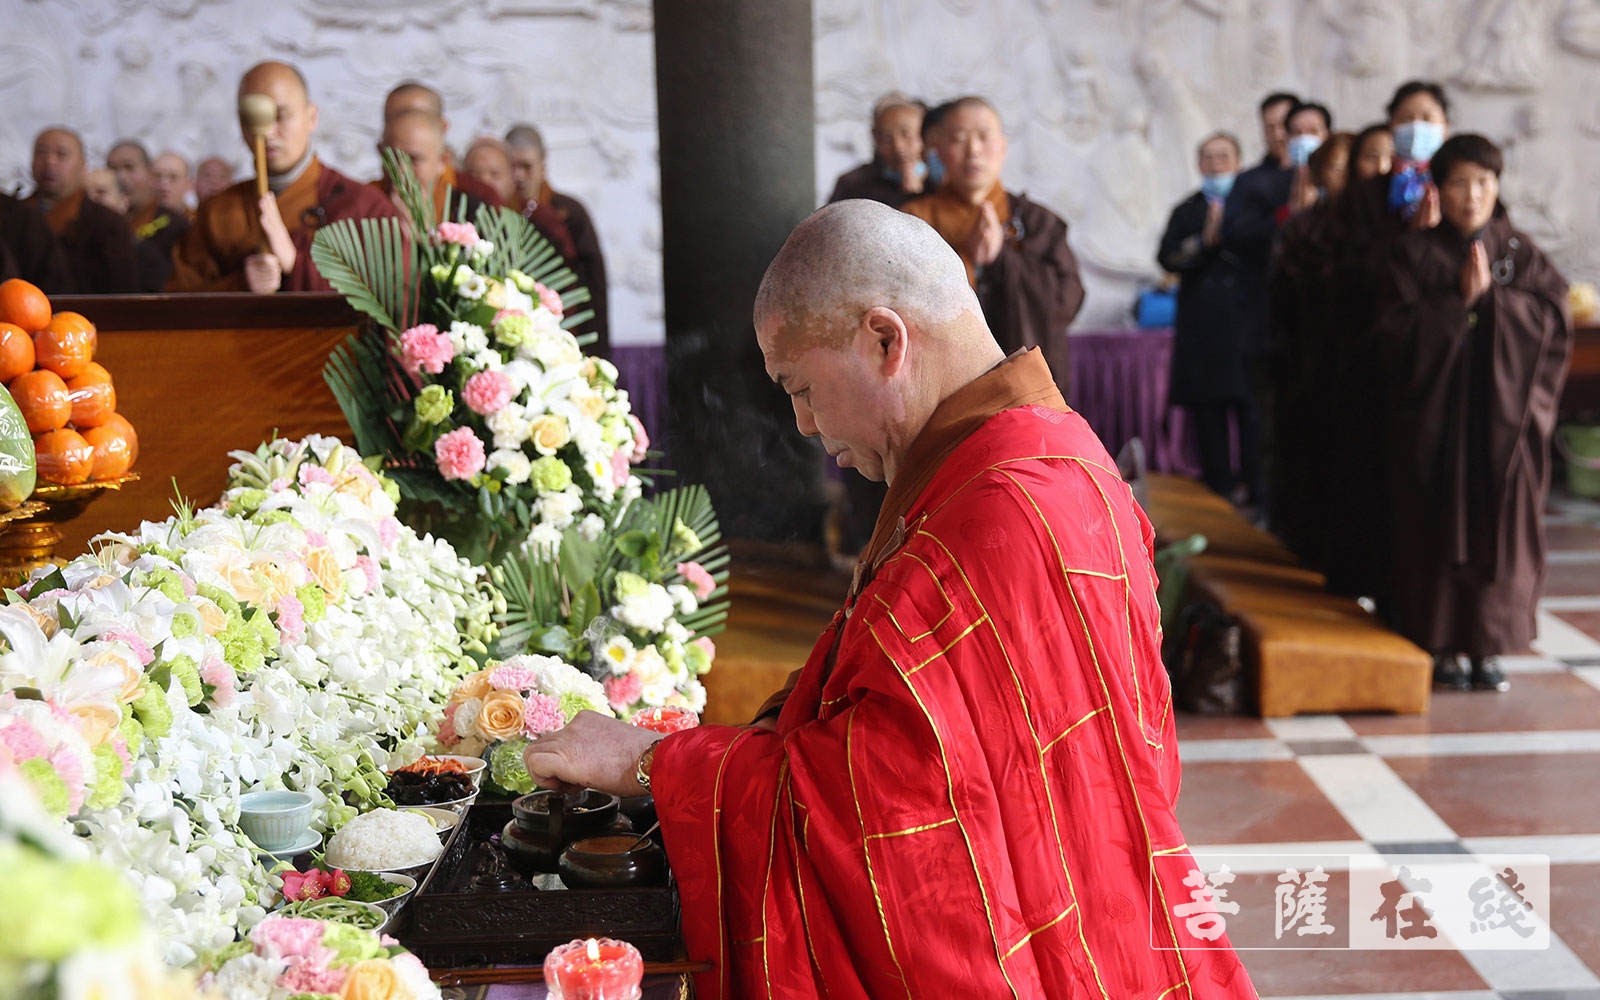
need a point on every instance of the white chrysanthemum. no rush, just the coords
(517, 465)
(684, 598)
(509, 425)
(488, 359)
(617, 654)
(468, 338)
(558, 509)
(654, 675)
(544, 540)
(590, 527)
(471, 286)
(648, 610)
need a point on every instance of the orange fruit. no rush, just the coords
(113, 455)
(120, 423)
(93, 396)
(66, 344)
(22, 303)
(43, 399)
(64, 457)
(16, 351)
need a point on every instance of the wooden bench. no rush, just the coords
(1309, 651)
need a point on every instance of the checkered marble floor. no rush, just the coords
(1480, 774)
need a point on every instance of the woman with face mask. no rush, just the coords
(1474, 341)
(1419, 119)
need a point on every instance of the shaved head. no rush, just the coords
(58, 164)
(527, 161)
(852, 255)
(866, 320)
(171, 173)
(264, 78)
(413, 96)
(489, 160)
(289, 138)
(420, 136)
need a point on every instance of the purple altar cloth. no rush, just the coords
(642, 370)
(1119, 384)
(654, 988)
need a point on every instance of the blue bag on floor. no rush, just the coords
(1156, 308)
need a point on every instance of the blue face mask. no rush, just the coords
(1301, 147)
(1216, 186)
(935, 167)
(894, 175)
(1418, 141)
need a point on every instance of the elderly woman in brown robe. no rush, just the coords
(1474, 340)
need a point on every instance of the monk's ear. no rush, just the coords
(884, 331)
(311, 116)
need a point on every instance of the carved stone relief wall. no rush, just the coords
(165, 72)
(1105, 100)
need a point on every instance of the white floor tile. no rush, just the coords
(1586, 602)
(1483, 744)
(1196, 751)
(1561, 849)
(1589, 675)
(1557, 638)
(1573, 556)
(1374, 800)
(1311, 727)
(1530, 664)
(1461, 995)
(1553, 968)
(1334, 855)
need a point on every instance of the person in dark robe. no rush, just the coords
(240, 242)
(488, 161)
(1015, 249)
(414, 97)
(1210, 372)
(587, 261)
(174, 182)
(421, 137)
(29, 249)
(212, 175)
(156, 227)
(897, 172)
(1475, 337)
(1372, 154)
(96, 240)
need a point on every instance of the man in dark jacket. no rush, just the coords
(1210, 369)
(97, 241)
(896, 173)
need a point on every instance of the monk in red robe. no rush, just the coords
(419, 98)
(421, 137)
(1015, 249)
(240, 242)
(969, 788)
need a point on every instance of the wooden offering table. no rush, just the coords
(202, 375)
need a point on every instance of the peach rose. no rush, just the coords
(374, 979)
(97, 722)
(132, 675)
(242, 582)
(473, 686)
(212, 618)
(324, 568)
(501, 715)
(48, 625)
(549, 432)
(274, 582)
(590, 404)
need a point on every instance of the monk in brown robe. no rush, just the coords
(420, 136)
(1015, 250)
(96, 240)
(1474, 340)
(896, 173)
(29, 249)
(412, 96)
(488, 161)
(545, 207)
(157, 228)
(212, 175)
(241, 242)
(173, 182)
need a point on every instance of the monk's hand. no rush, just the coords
(263, 273)
(591, 751)
(988, 236)
(1475, 279)
(279, 243)
(1211, 233)
(910, 182)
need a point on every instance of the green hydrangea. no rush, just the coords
(183, 669)
(53, 794)
(221, 598)
(274, 517)
(572, 704)
(550, 475)
(351, 943)
(507, 769)
(168, 582)
(513, 330)
(248, 501)
(672, 652)
(630, 585)
(244, 644)
(524, 283)
(185, 625)
(153, 712)
(107, 788)
(433, 404)
(132, 732)
(228, 953)
(315, 602)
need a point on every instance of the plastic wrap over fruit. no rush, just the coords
(18, 468)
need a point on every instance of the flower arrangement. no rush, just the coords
(469, 386)
(296, 635)
(492, 712)
(284, 957)
(70, 926)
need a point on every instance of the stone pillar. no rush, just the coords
(737, 126)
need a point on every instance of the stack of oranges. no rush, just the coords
(47, 363)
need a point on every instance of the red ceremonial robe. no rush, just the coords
(969, 802)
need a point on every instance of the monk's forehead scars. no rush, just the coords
(797, 329)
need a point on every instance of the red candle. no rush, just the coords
(668, 719)
(596, 969)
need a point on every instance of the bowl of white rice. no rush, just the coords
(385, 840)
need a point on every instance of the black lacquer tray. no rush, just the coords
(458, 918)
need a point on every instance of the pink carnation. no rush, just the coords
(22, 740)
(623, 691)
(447, 729)
(315, 474)
(620, 469)
(389, 531)
(486, 392)
(424, 349)
(316, 539)
(696, 576)
(138, 646)
(278, 485)
(221, 677)
(542, 714)
(291, 937)
(459, 453)
(69, 767)
(641, 440)
(507, 314)
(369, 569)
(463, 233)
(512, 678)
(291, 619)
(305, 977)
(549, 299)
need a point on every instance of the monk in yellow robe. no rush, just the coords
(241, 242)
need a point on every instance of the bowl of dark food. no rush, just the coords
(613, 861)
(546, 822)
(445, 781)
